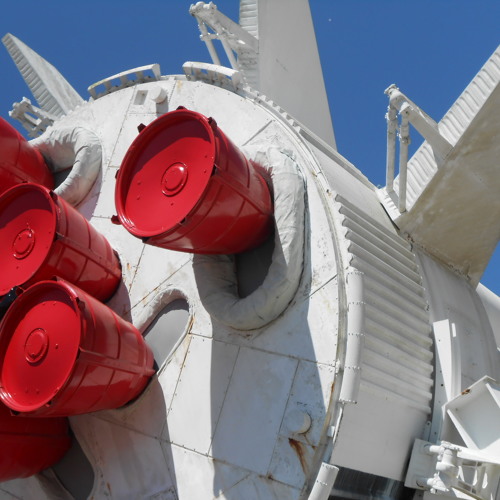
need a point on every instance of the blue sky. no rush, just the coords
(430, 48)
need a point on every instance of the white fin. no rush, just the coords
(51, 90)
(288, 69)
(452, 202)
(277, 55)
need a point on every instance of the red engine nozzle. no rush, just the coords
(43, 236)
(63, 353)
(183, 185)
(29, 445)
(19, 161)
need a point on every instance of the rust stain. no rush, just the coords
(466, 391)
(298, 447)
(109, 487)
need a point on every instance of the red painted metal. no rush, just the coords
(29, 445)
(184, 185)
(19, 161)
(62, 353)
(43, 236)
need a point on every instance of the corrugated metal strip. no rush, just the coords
(392, 289)
(249, 16)
(397, 355)
(383, 296)
(401, 254)
(395, 281)
(43, 98)
(397, 334)
(248, 62)
(405, 332)
(398, 312)
(388, 396)
(378, 376)
(56, 100)
(420, 384)
(458, 118)
(381, 251)
(373, 227)
(379, 262)
(391, 350)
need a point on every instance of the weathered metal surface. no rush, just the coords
(345, 375)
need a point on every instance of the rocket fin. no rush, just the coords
(51, 90)
(277, 54)
(453, 202)
(288, 67)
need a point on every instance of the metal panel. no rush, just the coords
(311, 391)
(250, 420)
(292, 461)
(384, 429)
(476, 415)
(254, 487)
(200, 393)
(459, 116)
(105, 196)
(222, 105)
(128, 133)
(294, 453)
(129, 250)
(27, 489)
(199, 477)
(128, 464)
(108, 127)
(154, 269)
(146, 414)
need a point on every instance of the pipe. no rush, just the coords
(229, 54)
(205, 36)
(392, 124)
(324, 482)
(355, 337)
(76, 148)
(404, 141)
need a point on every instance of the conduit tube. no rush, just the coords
(404, 141)
(324, 482)
(355, 336)
(77, 148)
(215, 274)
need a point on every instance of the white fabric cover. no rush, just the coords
(76, 148)
(215, 274)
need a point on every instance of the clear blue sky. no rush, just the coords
(430, 48)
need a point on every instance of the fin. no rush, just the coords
(51, 90)
(276, 53)
(452, 195)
